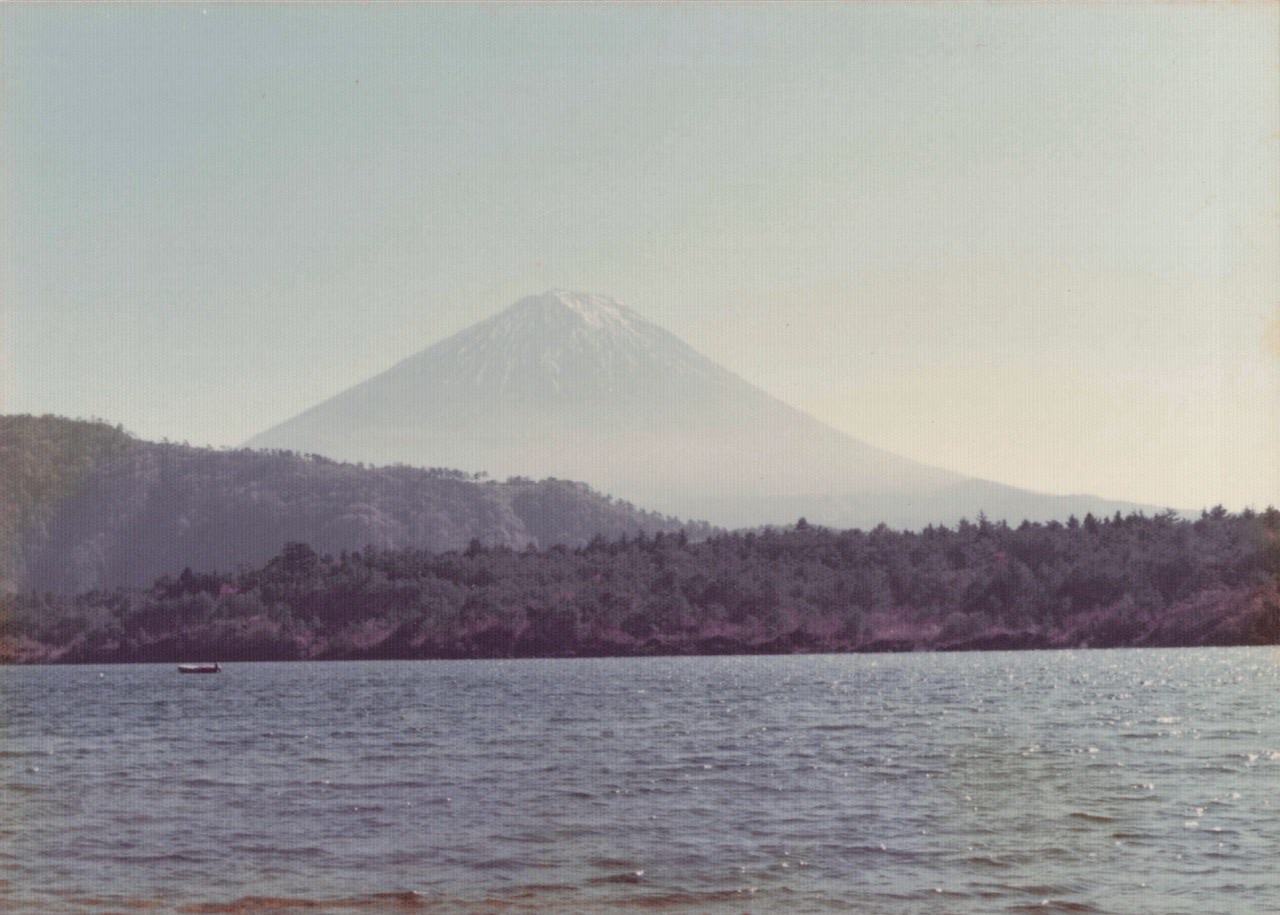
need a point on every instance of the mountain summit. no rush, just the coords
(578, 386)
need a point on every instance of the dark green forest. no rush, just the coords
(1120, 581)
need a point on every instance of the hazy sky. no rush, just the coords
(1035, 243)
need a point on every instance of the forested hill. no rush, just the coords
(1133, 581)
(87, 506)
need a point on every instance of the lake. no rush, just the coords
(1142, 781)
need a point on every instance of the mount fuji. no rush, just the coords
(578, 386)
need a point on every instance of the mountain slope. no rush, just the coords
(579, 386)
(44, 463)
(99, 509)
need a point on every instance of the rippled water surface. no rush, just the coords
(1105, 781)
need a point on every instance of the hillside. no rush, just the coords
(44, 463)
(87, 506)
(580, 386)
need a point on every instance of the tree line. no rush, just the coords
(1111, 582)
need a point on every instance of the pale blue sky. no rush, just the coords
(1036, 243)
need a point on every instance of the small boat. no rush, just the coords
(199, 668)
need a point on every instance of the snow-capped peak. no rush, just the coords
(592, 309)
(595, 310)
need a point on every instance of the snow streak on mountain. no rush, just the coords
(579, 386)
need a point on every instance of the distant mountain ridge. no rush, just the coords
(87, 506)
(579, 386)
